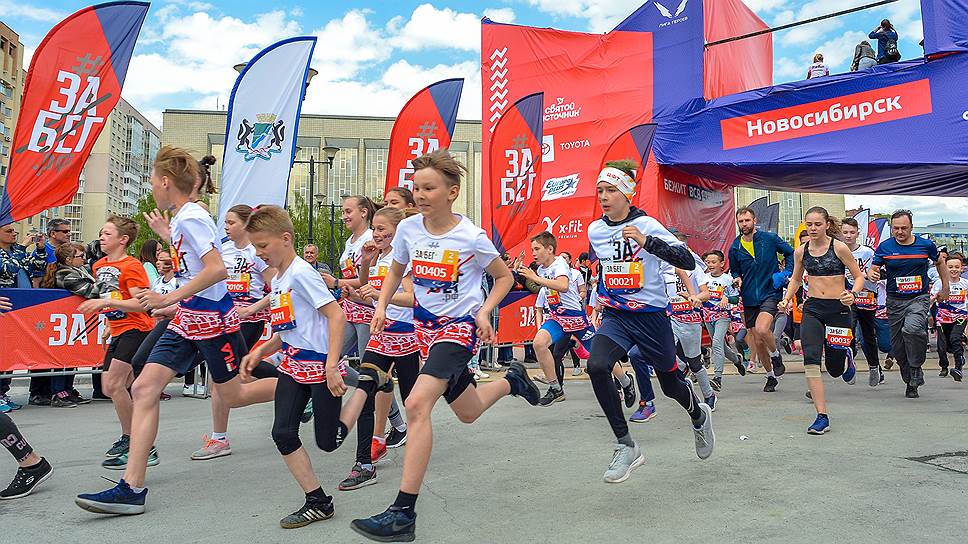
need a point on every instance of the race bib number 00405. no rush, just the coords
(435, 268)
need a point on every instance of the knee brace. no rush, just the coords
(670, 381)
(333, 441)
(287, 441)
(694, 363)
(811, 371)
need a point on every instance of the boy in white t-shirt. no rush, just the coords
(307, 325)
(448, 255)
(952, 317)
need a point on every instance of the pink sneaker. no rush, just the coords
(212, 449)
(581, 352)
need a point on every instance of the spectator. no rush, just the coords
(818, 68)
(58, 234)
(69, 272)
(148, 255)
(864, 57)
(886, 37)
(93, 253)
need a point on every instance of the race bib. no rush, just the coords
(866, 299)
(623, 277)
(680, 305)
(554, 298)
(956, 296)
(238, 283)
(112, 313)
(281, 313)
(839, 337)
(908, 284)
(377, 275)
(348, 269)
(716, 293)
(435, 268)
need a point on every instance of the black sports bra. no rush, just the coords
(828, 264)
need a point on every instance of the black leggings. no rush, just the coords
(407, 368)
(951, 339)
(558, 351)
(818, 314)
(604, 353)
(868, 328)
(291, 399)
(11, 438)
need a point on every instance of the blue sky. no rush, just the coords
(373, 55)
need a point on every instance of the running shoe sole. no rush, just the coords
(639, 461)
(110, 508)
(398, 444)
(820, 432)
(42, 479)
(303, 522)
(408, 537)
(222, 453)
(365, 483)
(650, 418)
(708, 425)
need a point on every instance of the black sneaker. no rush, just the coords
(310, 512)
(771, 384)
(911, 392)
(943, 373)
(26, 480)
(778, 367)
(59, 401)
(359, 477)
(957, 374)
(120, 447)
(741, 367)
(521, 385)
(39, 400)
(809, 395)
(787, 344)
(75, 396)
(396, 438)
(552, 396)
(917, 377)
(395, 524)
(717, 384)
(628, 393)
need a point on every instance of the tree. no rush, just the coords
(329, 232)
(145, 205)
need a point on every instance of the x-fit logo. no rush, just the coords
(549, 224)
(427, 129)
(668, 14)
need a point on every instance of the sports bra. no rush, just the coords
(828, 264)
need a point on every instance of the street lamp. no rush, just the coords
(329, 154)
(309, 75)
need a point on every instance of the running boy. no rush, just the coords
(716, 315)
(449, 256)
(952, 316)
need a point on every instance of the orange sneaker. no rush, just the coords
(378, 449)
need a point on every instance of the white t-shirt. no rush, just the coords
(864, 256)
(955, 307)
(720, 287)
(631, 277)
(378, 272)
(193, 235)
(349, 260)
(567, 300)
(245, 270)
(297, 295)
(164, 287)
(541, 301)
(447, 270)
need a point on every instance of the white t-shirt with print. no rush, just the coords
(349, 260)
(193, 235)
(297, 295)
(245, 270)
(447, 270)
(378, 273)
(163, 287)
(567, 300)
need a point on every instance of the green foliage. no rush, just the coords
(329, 232)
(146, 204)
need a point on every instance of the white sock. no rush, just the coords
(402, 427)
(770, 374)
(775, 353)
(624, 380)
(137, 489)
(219, 436)
(380, 439)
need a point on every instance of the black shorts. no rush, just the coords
(123, 347)
(750, 313)
(222, 353)
(448, 361)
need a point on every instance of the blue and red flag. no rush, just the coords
(73, 83)
(515, 169)
(635, 144)
(425, 124)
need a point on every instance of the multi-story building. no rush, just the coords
(952, 234)
(792, 206)
(359, 167)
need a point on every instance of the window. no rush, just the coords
(342, 176)
(376, 169)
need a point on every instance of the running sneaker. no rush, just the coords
(188, 390)
(39, 400)
(628, 393)
(307, 412)
(378, 449)
(120, 499)
(751, 367)
(957, 374)
(394, 524)
(577, 371)
(787, 344)
(4, 407)
(711, 402)
(6, 400)
(820, 426)
(62, 400)
(120, 447)
(644, 413)
(809, 395)
(212, 448)
(850, 374)
(552, 396)
(121, 462)
(165, 396)
(395, 438)
(705, 437)
(75, 396)
(716, 384)
(889, 362)
(26, 480)
(478, 375)
(311, 512)
(779, 368)
(624, 460)
(874, 376)
(882, 376)
(521, 384)
(943, 373)
(911, 392)
(740, 367)
(771, 384)
(359, 477)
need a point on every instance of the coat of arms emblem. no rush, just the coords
(261, 139)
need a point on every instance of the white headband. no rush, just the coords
(622, 181)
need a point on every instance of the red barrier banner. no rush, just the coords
(516, 324)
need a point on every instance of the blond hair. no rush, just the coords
(271, 220)
(444, 163)
(179, 166)
(393, 215)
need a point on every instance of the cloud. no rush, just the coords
(429, 27)
(16, 10)
(838, 53)
(344, 46)
(927, 210)
(602, 15)
(500, 15)
(763, 6)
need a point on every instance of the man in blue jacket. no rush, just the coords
(753, 259)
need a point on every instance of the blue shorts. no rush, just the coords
(222, 353)
(650, 332)
(553, 328)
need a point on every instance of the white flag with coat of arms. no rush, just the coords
(263, 120)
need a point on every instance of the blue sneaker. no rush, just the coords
(5, 400)
(820, 426)
(120, 499)
(644, 413)
(711, 401)
(393, 525)
(5, 407)
(850, 374)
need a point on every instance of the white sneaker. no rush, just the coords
(577, 371)
(188, 391)
(478, 375)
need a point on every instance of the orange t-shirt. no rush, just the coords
(121, 276)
